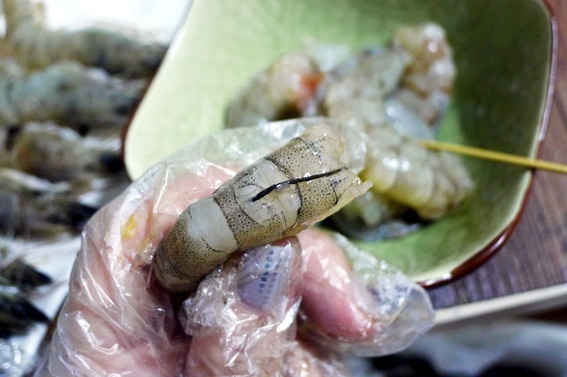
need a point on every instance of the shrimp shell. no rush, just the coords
(244, 212)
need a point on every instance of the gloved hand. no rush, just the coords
(296, 307)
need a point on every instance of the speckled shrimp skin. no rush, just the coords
(278, 196)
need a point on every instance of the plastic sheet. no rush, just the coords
(393, 310)
(117, 321)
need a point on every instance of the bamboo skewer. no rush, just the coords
(495, 156)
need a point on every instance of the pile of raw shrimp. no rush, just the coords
(395, 96)
(65, 97)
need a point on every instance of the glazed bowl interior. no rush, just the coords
(503, 52)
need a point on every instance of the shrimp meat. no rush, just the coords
(430, 182)
(282, 91)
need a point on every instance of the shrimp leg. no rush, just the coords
(278, 196)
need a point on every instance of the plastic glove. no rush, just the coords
(292, 308)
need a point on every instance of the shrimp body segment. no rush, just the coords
(278, 196)
(430, 182)
(355, 91)
(284, 90)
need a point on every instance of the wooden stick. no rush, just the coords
(495, 156)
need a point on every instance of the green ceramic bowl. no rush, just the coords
(504, 54)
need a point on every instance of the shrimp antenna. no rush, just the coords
(273, 187)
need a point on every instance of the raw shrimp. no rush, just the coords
(57, 153)
(415, 72)
(392, 95)
(284, 90)
(17, 280)
(429, 75)
(367, 94)
(68, 94)
(431, 66)
(374, 216)
(16, 181)
(278, 196)
(37, 47)
(430, 182)
(354, 92)
(14, 270)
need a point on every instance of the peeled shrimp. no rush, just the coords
(408, 180)
(284, 90)
(430, 72)
(278, 196)
(378, 93)
(355, 92)
(431, 66)
(430, 182)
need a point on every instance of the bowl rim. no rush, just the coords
(487, 252)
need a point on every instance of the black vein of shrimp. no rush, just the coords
(294, 181)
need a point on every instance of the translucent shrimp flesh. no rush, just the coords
(282, 91)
